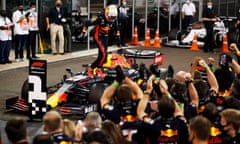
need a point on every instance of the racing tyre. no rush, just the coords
(218, 39)
(96, 92)
(24, 90)
(174, 34)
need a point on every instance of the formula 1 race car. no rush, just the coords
(183, 39)
(79, 93)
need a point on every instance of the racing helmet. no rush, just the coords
(111, 13)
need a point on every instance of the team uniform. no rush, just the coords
(5, 39)
(216, 134)
(232, 140)
(102, 28)
(165, 130)
(61, 138)
(33, 30)
(21, 32)
(123, 114)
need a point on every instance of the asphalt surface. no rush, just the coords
(12, 77)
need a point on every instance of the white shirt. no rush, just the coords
(189, 9)
(21, 26)
(174, 9)
(5, 34)
(123, 12)
(33, 20)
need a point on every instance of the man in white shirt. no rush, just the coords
(188, 12)
(5, 37)
(33, 30)
(21, 28)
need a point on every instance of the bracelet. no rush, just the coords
(181, 106)
(206, 67)
(115, 84)
(169, 96)
(156, 78)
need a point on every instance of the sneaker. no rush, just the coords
(17, 60)
(21, 60)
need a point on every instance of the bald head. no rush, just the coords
(52, 121)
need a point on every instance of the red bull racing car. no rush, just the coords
(79, 93)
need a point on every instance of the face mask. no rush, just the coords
(20, 9)
(124, 3)
(58, 5)
(209, 6)
(33, 9)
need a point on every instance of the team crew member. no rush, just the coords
(188, 12)
(170, 126)
(102, 26)
(21, 28)
(230, 121)
(5, 37)
(199, 130)
(33, 30)
(52, 124)
(208, 19)
(55, 19)
(126, 96)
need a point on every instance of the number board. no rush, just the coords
(37, 93)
